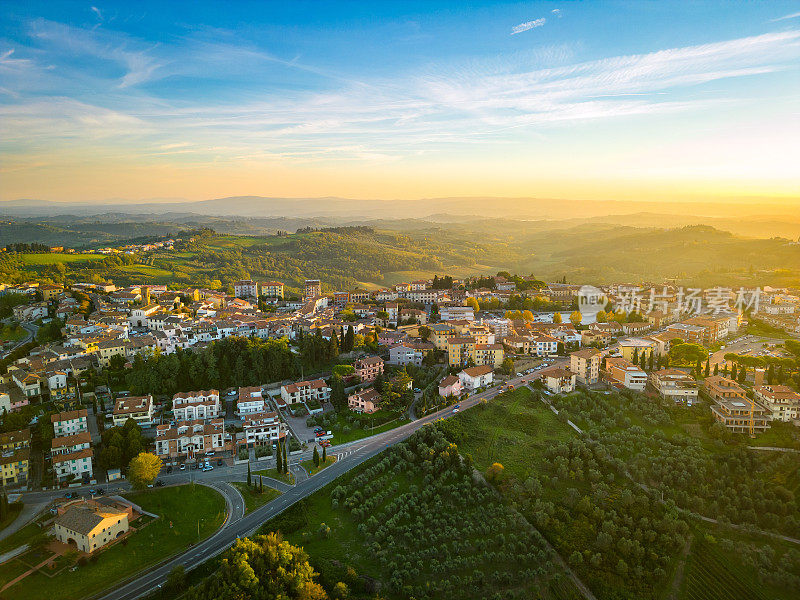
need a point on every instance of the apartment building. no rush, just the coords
(272, 289)
(193, 406)
(403, 354)
(311, 289)
(674, 384)
(450, 386)
(491, 355)
(262, 428)
(624, 373)
(456, 313)
(69, 423)
(558, 380)
(14, 456)
(782, 402)
(72, 457)
(138, 408)
(365, 401)
(250, 401)
(473, 378)
(441, 333)
(367, 369)
(721, 388)
(246, 288)
(460, 350)
(740, 415)
(586, 365)
(306, 391)
(190, 439)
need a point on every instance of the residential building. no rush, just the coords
(193, 406)
(622, 372)
(721, 388)
(456, 313)
(30, 384)
(90, 526)
(402, 354)
(246, 288)
(14, 456)
(72, 457)
(70, 422)
(250, 401)
(311, 289)
(633, 348)
(781, 402)
(190, 439)
(272, 289)
(740, 415)
(30, 312)
(262, 428)
(460, 350)
(138, 408)
(674, 384)
(365, 401)
(491, 355)
(367, 369)
(450, 386)
(558, 380)
(305, 391)
(440, 333)
(473, 378)
(585, 364)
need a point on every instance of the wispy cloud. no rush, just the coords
(97, 12)
(528, 25)
(557, 12)
(785, 17)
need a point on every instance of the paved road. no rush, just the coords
(352, 455)
(31, 330)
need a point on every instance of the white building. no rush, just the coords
(674, 384)
(305, 391)
(558, 380)
(400, 354)
(250, 401)
(190, 439)
(262, 428)
(456, 313)
(473, 378)
(192, 406)
(781, 401)
(69, 423)
(72, 456)
(138, 408)
(246, 288)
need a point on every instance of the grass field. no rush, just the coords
(189, 513)
(12, 334)
(252, 499)
(510, 430)
(56, 257)
(273, 473)
(18, 538)
(146, 271)
(308, 465)
(340, 436)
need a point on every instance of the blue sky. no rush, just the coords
(379, 100)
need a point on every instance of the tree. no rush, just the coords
(742, 374)
(601, 316)
(249, 476)
(338, 395)
(324, 454)
(316, 457)
(278, 458)
(261, 568)
(143, 469)
(733, 371)
(576, 317)
(557, 317)
(176, 580)
(508, 366)
(473, 302)
(707, 370)
(494, 472)
(716, 368)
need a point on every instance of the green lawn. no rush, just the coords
(510, 429)
(53, 258)
(308, 465)
(252, 499)
(15, 540)
(273, 473)
(189, 513)
(342, 437)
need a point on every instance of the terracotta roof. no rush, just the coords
(71, 440)
(68, 416)
(478, 371)
(83, 519)
(77, 455)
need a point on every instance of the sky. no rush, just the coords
(379, 100)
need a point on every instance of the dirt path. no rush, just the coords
(677, 579)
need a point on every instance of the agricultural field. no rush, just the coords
(415, 520)
(54, 258)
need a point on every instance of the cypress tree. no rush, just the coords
(316, 457)
(324, 454)
(708, 367)
(249, 477)
(278, 458)
(716, 369)
(260, 484)
(733, 371)
(742, 374)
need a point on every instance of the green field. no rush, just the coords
(416, 520)
(308, 465)
(54, 258)
(189, 513)
(13, 511)
(252, 498)
(510, 430)
(273, 474)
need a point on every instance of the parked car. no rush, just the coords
(219, 462)
(183, 466)
(69, 495)
(169, 469)
(210, 453)
(159, 483)
(208, 468)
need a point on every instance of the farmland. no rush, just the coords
(416, 520)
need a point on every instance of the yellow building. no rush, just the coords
(491, 355)
(440, 333)
(15, 447)
(50, 291)
(90, 527)
(460, 350)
